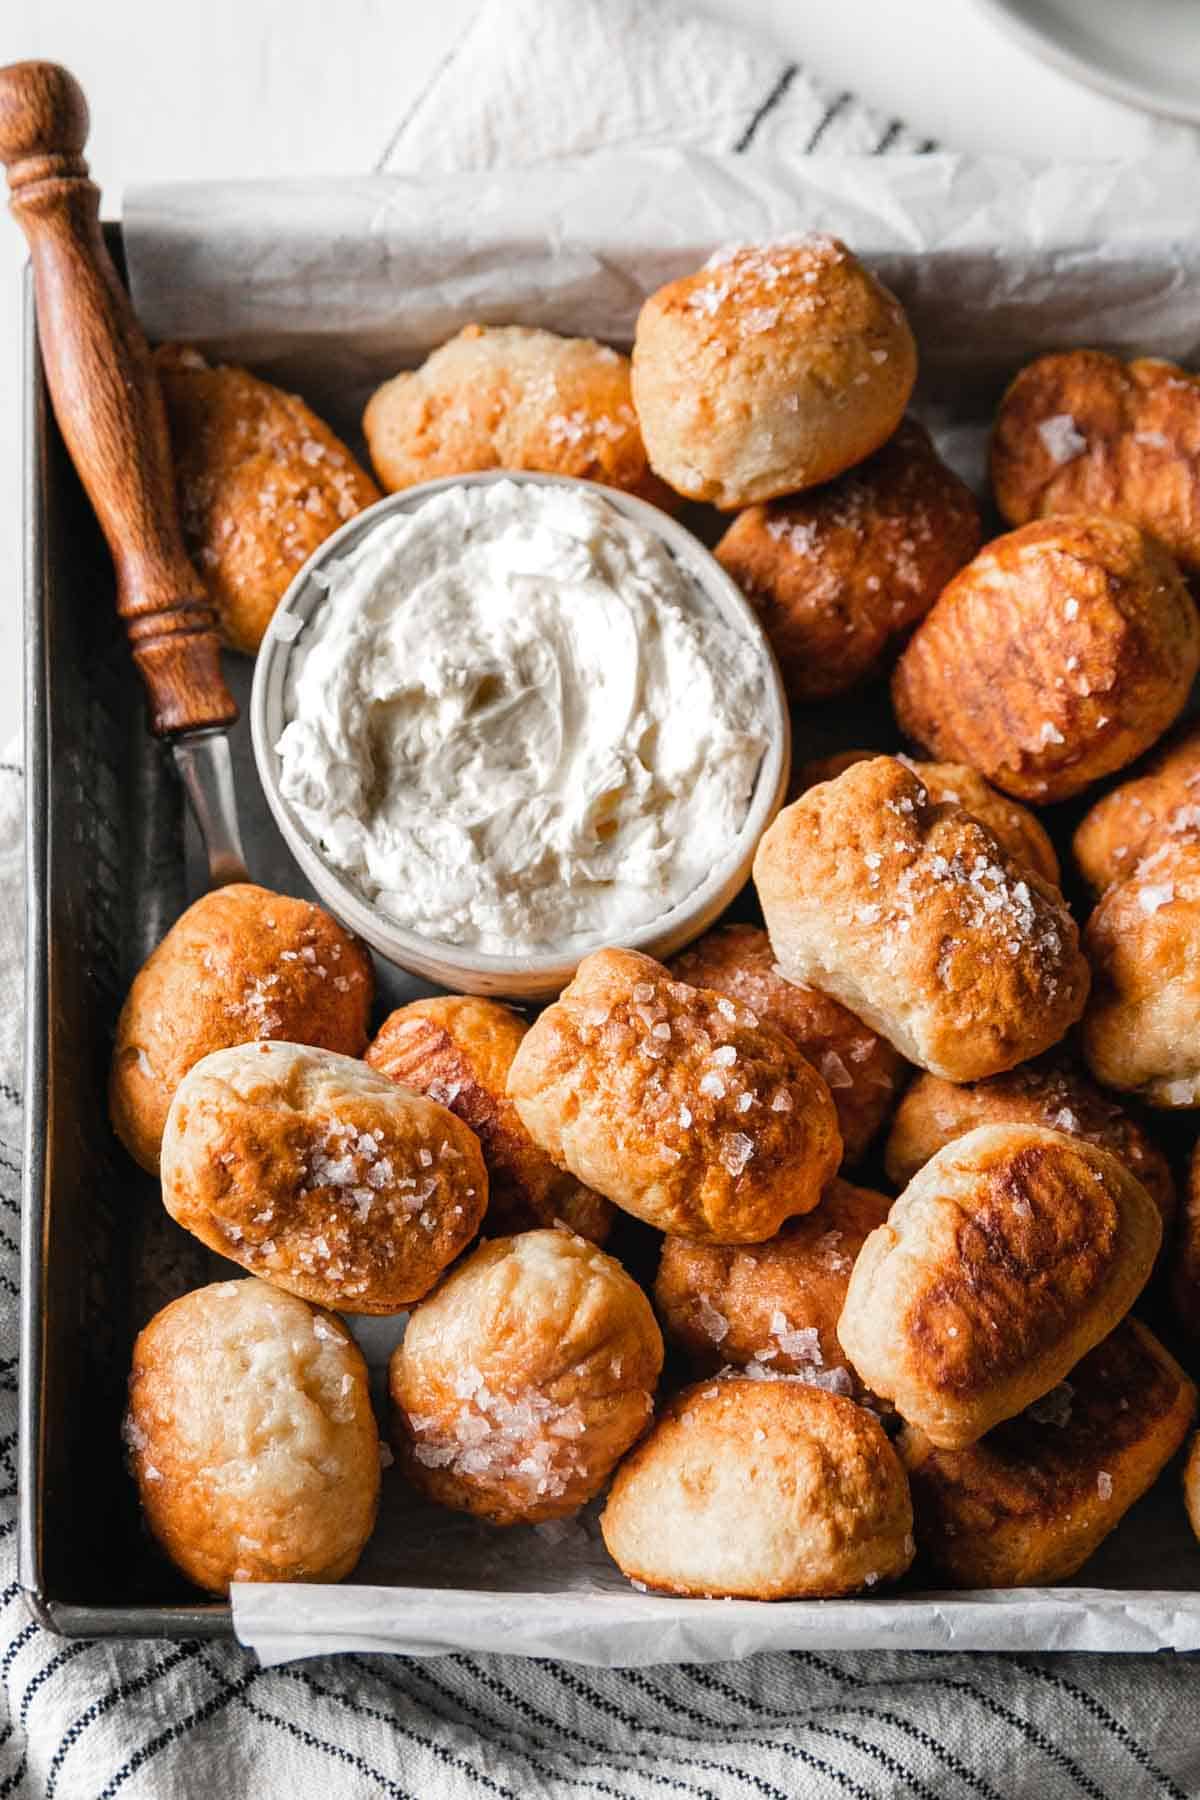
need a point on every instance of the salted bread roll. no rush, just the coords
(1031, 1502)
(241, 963)
(1011, 1254)
(251, 1437)
(1057, 656)
(1133, 819)
(1079, 431)
(761, 1490)
(772, 368)
(524, 1378)
(320, 1175)
(458, 1050)
(681, 1106)
(912, 915)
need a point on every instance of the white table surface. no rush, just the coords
(291, 87)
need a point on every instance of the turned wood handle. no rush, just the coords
(107, 399)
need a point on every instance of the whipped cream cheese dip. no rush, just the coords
(517, 722)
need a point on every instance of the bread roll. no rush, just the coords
(761, 1490)
(841, 574)
(524, 1378)
(241, 963)
(772, 368)
(912, 915)
(1132, 819)
(1057, 656)
(679, 1105)
(251, 1437)
(1002, 1263)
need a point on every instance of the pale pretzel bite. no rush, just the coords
(1082, 432)
(1017, 830)
(261, 480)
(240, 963)
(680, 1105)
(251, 1437)
(1030, 1503)
(320, 1175)
(912, 915)
(772, 368)
(1048, 1092)
(522, 1380)
(509, 397)
(841, 574)
(1133, 819)
(761, 1490)
(1057, 656)
(775, 1305)
(1011, 1253)
(1141, 1031)
(1185, 1270)
(458, 1050)
(861, 1069)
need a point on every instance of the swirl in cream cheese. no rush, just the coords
(516, 724)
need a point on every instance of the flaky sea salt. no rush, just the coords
(1062, 438)
(1104, 1485)
(735, 1151)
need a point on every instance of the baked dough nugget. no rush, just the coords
(912, 915)
(934, 1112)
(761, 1490)
(508, 397)
(1013, 826)
(678, 1104)
(261, 482)
(1032, 1502)
(774, 367)
(524, 1378)
(774, 1304)
(1011, 1254)
(1191, 1485)
(240, 963)
(320, 1175)
(860, 1068)
(458, 1050)
(1057, 656)
(1141, 1031)
(840, 574)
(1082, 432)
(251, 1437)
(1132, 820)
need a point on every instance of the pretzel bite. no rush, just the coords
(1185, 1270)
(860, 1068)
(1130, 821)
(1014, 827)
(241, 963)
(774, 1304)
(524, 1378)
(1060, 654)
(761, 1490)
(1080, 432)
(934, 1112)
(507, 397)
(251, 1437)
(774, 367)
(261, 483)
(678, 1104)
(913, 916)
(1011, 1253)
(1141, 1031)
(458, 1050)
(1029, 1504)
(1191, 1485)
(320, 1175)
(840, 574)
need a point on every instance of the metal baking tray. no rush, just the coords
(109, 868)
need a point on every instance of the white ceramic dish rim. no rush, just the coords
(452, 964)
(1044, 42)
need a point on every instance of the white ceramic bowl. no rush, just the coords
(526, 976)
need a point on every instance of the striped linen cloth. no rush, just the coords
(534, 79)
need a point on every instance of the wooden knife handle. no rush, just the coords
(107, 398)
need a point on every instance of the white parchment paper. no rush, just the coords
(330, 286)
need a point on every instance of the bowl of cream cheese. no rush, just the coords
(506, 718)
